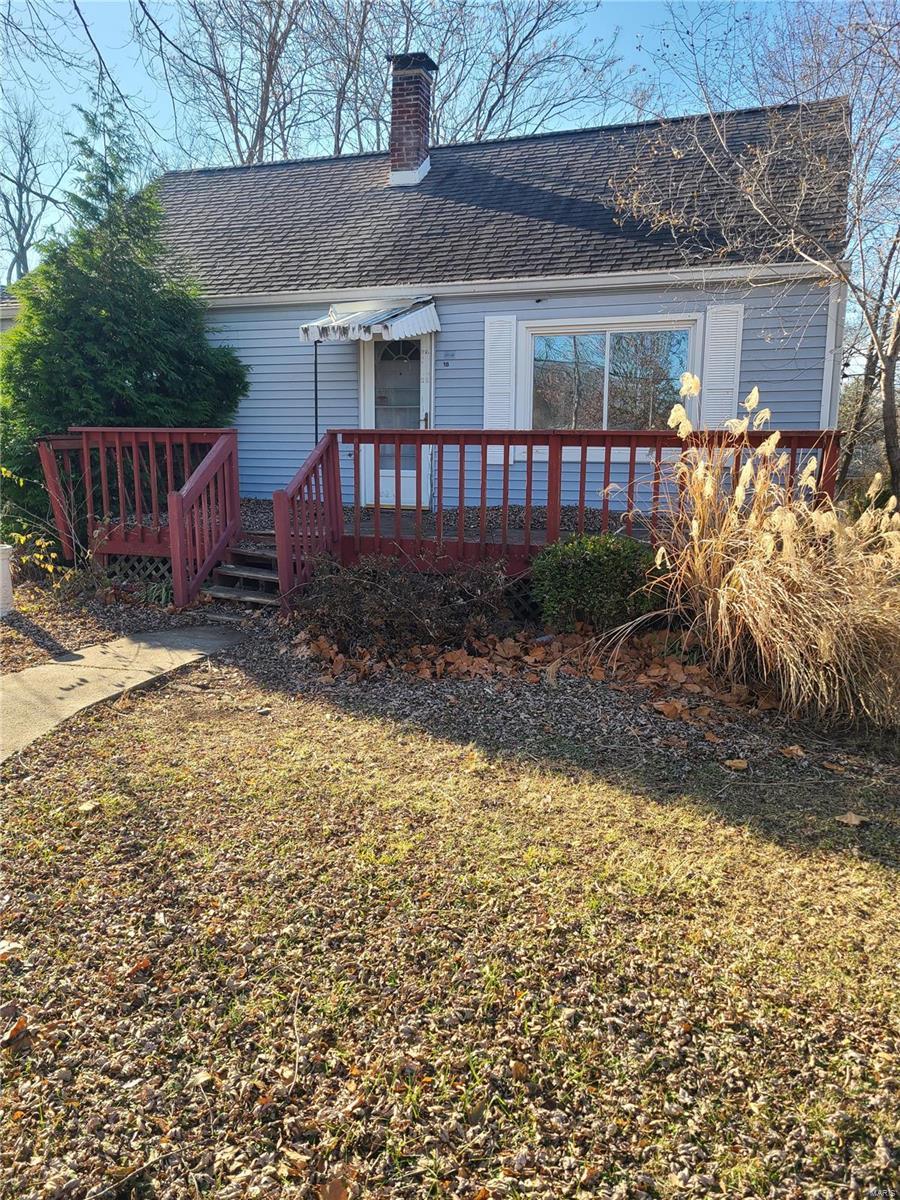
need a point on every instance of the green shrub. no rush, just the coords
(598, 578)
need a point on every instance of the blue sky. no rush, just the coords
(110, 22)
(638, 22)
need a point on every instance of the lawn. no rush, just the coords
(411, 939)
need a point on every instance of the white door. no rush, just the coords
(396, 395)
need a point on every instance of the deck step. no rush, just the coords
(241, 595)
(244, 571)
(269, 554)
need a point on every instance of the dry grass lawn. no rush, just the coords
(274, 942)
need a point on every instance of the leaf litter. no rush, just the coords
(469, 936)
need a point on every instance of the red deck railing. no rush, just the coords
(440, 495)
(163, 492)
(204, 518)
(308, 515)
(590, 478)
(112, 484)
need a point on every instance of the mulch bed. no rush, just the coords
(269, 933)
(45, 626)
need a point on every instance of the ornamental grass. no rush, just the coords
(777, 585)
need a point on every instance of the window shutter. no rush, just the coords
(499, 378)
(720, 375)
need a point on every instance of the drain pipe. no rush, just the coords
(316, 391)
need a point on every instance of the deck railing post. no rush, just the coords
(554, 486)
(234, 485)
(178, 550)
(829, 466)
(334, 485)
(47, 455)
(284, 548)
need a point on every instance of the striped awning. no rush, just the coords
(377, 318)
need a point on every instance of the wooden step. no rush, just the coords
(241, 595)
(244, 571)
(260, 552)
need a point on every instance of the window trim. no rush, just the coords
(692, 322)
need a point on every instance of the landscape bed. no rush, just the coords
(269, 934)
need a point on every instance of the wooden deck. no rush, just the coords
(174, 493)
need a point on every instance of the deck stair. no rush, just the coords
(250, 573)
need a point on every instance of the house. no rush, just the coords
(458, 351)
(491, 285)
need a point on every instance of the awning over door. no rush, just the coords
(377, 318)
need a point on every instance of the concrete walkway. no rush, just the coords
(36, 700)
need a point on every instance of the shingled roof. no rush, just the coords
(524, 207)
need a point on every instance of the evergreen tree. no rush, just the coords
(107, 332)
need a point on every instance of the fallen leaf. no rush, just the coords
(669, 708)
(851, 818)
(736, 764)
(793, 752)
(334, 1189)
(13, 1033)
(551, 672)
(294, 1163)
(519, 1070)
(714, 738)
(9, 950)
(833, 766)
(142, 964)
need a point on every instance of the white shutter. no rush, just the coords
(720, 374)
(499, 378)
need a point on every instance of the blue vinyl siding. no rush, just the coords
(783, 353)
(275, 420)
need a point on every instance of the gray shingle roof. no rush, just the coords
(531, 206)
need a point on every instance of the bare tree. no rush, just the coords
(261, 79)
(34, 31)
(236, 70)
(33, 165)
(790, 193)
(512, 67)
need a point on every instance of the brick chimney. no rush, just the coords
(410, 115)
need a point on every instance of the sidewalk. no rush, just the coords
(36, 700)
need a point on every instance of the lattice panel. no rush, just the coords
(519, 601)
(125, 569)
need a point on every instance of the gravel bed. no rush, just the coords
(269, 937)
(257, 515)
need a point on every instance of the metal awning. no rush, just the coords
(377, 318)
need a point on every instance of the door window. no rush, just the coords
(398, 395)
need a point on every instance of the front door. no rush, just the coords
(397, 395)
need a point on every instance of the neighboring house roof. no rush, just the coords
(542, 205)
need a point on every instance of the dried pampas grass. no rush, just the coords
(777, 585)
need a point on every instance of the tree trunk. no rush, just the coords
(889, 407)
(889, 401)
(858, 420)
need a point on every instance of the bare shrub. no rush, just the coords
(778, 586)
(386, 605)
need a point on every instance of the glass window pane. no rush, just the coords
(645, 376)
(568, 381)
(397, 396)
